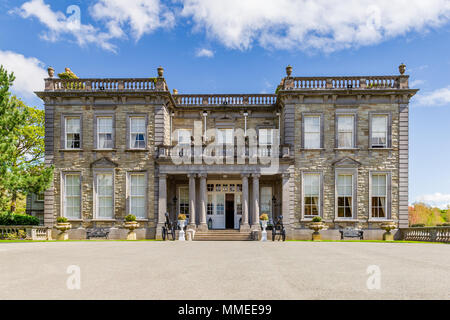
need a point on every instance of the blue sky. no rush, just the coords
(243, 47)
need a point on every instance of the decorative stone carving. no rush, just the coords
(402, 68)
(51, 72)
(289, 70)
(160, 71)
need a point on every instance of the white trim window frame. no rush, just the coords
(380, 133)
(312, 194)
(184, 136)
(105, 132)
(71, 195)
(380, 195)
(72, 132)
(104, 194)
(137, 194)
(312, 131)
(346, 188)
(224, 136)
(183, 201)
(345, 130)
(137, 132)
(265, 141)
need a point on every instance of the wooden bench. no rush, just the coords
(97, 233)
(352, 233)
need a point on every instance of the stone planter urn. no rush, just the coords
(63, 227)
(181, 236)
(388, 226)
(264, 219)
(131, 226)
(316, 226)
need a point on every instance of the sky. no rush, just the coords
(236, 46)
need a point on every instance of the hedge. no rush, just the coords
(15, 219)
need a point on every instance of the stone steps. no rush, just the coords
(223, 235)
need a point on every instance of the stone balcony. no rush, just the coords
(165, 152)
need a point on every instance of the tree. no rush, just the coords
(22, 150)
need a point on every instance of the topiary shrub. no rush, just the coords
(317, 219)
(16, 219)
(130, 218)
(61, 220)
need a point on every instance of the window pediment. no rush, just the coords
(346, 162)
(104, 162)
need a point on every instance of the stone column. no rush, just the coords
(286, 208)
(203, 202)
(255, 223)
(245, 226)
(162, 204)
(192, 216)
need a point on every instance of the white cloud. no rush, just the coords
(204, 53)
(59, 24)
(438, 97)
(325, 25)
(29, 72)
(437, 199)
(142, 16)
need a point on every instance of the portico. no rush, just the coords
(213, 200)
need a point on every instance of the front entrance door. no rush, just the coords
(229, 211)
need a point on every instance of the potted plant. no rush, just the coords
(316, 225)
(181, 223)
(264, 218)
(63, 226)
(388, 226)
(131, 225)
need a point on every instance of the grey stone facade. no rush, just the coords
(170, 116)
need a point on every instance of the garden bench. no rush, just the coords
(352, 233)
(97, 233)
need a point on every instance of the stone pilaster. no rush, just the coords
(192, 216)
(245, 225)
(203, 201)
(255, 223)
(162, 204)
(287, 203)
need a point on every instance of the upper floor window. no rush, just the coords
(105, 132)
(137, 133)
(265, 136)
(73, 132)
(311, 194)
(345, 131)
(184, 136)
(379, 131)
(311, 132)
(224, 136)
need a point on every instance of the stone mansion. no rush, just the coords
(334, 147)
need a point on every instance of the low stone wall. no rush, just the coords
(430, 234)
(114, 233)
(32, 232)
(334, 234)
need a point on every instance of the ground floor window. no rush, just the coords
(379, 195)
(183, 206)
(72, 196)
(311, 194)
(137, 195)
(345, 195)
(266, 201)
(105, 196)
